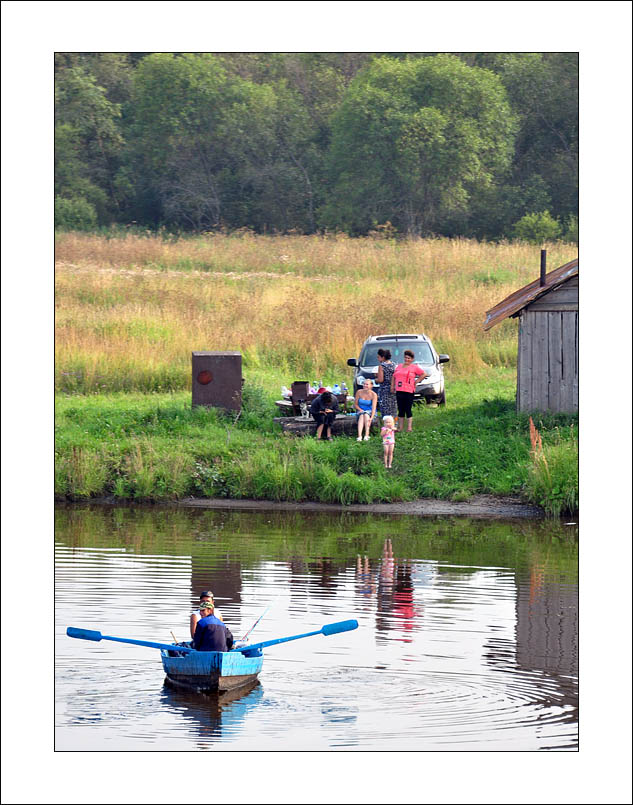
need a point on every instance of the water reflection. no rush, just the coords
(467, 638)
(213, 716)
(388, 588)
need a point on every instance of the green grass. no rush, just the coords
(154, 447)
(553, 478)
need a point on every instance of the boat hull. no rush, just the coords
(210, 670)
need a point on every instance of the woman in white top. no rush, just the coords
(195, 616)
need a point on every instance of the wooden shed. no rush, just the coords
(547, 361)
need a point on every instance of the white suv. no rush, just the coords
(431, 388)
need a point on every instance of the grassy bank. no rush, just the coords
(155, 447)
(130, 310)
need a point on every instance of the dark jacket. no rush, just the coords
(212, 635)
(318, 406)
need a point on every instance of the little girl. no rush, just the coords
(388, 439)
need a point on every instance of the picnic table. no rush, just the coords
(287, 407)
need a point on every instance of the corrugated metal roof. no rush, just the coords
(524, 296)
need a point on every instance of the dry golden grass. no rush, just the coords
(131, 310)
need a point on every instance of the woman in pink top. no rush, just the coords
(403, 384)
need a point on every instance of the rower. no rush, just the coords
(211, 634)
(205, 596)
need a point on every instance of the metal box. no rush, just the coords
(216, 380)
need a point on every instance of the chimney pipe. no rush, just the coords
(543, 263)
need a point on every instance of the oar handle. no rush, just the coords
(89, 634)
(328, 629)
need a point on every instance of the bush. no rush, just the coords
(537, 227)
(553, 479)
(74, 213)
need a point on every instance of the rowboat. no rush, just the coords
(210, 670)
(203, 671)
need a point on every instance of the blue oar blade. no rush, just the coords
(341, 626)
(83, 634)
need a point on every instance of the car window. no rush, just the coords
(420, 349)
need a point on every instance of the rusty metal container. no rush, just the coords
(216, 380)
(300, 391)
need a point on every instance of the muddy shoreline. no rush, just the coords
(479, 506)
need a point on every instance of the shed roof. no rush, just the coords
(524, 296)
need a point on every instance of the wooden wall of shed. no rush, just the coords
(547, 363)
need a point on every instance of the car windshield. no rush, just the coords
(420, 349)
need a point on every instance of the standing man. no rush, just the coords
(211, 634)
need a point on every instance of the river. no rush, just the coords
(467, 638)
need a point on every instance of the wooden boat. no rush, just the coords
(211, 670)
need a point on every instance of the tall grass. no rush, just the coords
(552, 479)
(130, 310)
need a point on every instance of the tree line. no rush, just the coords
(478, 145)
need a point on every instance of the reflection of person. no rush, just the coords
(365, 403)
(211, 634)
(403, 603)
(323, 409)
(388, 440)
(386, 368)
(403, 384)
(363, 575)
(205, 597)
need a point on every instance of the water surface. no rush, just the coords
(467, 635)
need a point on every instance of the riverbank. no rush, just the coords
(479, 506)
(155, 448)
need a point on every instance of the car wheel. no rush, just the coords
(441, 400)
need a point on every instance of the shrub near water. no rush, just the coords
(553, 474)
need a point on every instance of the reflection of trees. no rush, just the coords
(223, 578)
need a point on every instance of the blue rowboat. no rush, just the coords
(211, 670)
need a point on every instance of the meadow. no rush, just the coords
(131, 308)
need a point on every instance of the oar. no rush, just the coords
(88, 634)
(328, 629)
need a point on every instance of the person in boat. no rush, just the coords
(205, 597)
(211, 634)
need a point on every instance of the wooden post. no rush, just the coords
(543, 264)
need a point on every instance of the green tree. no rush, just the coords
(537, 227)
(217, 149)
(411, 141)
(543, 90)
(88, 140)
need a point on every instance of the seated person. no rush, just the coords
(205, 596)
(324, 409)
(211, 634)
